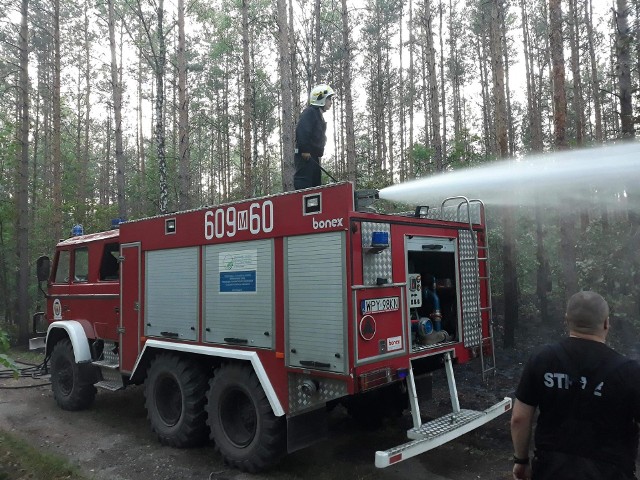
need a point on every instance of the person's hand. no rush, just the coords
(521, 472)
(306, 156)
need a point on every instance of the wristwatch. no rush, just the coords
(521, 461)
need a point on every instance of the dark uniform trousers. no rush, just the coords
(308, 173)
(565, 466)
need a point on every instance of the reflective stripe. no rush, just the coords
(265, 382)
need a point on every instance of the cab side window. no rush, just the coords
(81, 269)
(109, 267)
(62, 268)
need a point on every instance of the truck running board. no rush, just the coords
(440, 431)
(109, 367)
(111, 377)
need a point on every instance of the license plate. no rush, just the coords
(385, 304)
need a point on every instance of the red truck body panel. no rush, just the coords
(377, 333)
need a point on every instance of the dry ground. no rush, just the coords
(113, 440)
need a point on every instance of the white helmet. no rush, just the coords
(319, 94)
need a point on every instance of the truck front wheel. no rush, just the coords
(71, 387)
(175, 394)
(246, 432)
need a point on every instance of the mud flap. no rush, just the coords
(306, 429)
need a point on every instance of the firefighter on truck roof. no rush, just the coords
(311, 138)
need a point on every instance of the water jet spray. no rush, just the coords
(610, 174)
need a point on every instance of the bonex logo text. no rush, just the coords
(330, 223)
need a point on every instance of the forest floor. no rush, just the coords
(113, 440)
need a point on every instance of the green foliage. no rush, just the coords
(422, 162)
(608, 263)
(465, 151)
(5, 361)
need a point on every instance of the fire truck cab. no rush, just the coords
(245, 321)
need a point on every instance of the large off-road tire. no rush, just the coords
(246, 432)
(175, 394)
(70, 382)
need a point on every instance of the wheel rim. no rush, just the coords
(65, 376)
(238, 417)
(168, 400)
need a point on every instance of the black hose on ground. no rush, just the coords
(31, 371)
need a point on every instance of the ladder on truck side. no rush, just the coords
(479, 260)
(427, 436)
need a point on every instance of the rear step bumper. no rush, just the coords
(439, 431)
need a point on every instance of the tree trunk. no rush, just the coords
(543, 274)
(578, 101)
(567, 220)
(387, 157)
(557, 60)
(483, 60)
(505, 53)
(443, 97)
(434, 104)
(509, 273)
(317, 41)
(295, 88)
(623, 69)
(404, 165)
(595, 83)
(36, 175)
(184, 168)
(425, 90)
(159, 71)
(22, 185)
(246, 110)
(348, 98)
(455, 78)
(412, 90)
(535, 134)
(286, 96)
(6, 300)
(637, 37)
(116, 87)
(57, 126)
(85, 156)
(142, 206)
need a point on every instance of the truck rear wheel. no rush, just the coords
(175, 393)
(247, 433)
(71, 389)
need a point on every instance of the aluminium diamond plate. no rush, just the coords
(327, 389)
(375, 265)
(469, 279)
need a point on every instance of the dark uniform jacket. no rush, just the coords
(310, 138)
(310, 132)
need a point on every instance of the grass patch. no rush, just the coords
(19, 460)
(24, 355)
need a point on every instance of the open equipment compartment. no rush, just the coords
(433, 260)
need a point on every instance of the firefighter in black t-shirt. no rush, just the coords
(589, 401)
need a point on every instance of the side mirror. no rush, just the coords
(43, 268)
(38, 324)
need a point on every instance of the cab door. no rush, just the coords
(58, 305)
(130, 317)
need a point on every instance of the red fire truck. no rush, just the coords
(246, 322)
